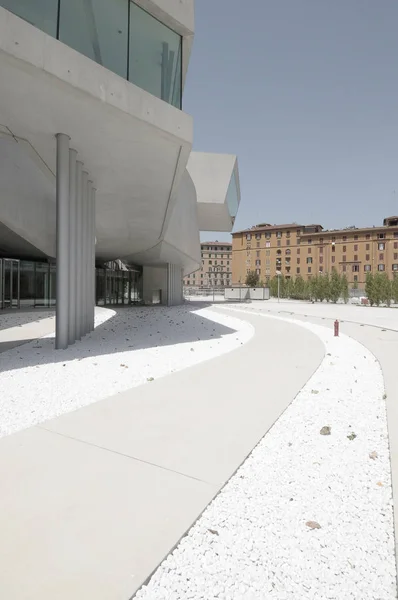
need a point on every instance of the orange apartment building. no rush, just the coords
(216, 270)
(308, 250)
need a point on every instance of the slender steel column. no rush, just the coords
(84, 256)
(79, 247)
(61, 335)
(89, 256)
(93, 272)
(72, 246)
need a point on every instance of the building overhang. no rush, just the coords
(134, 145)
(216, 179)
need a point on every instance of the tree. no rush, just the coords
(377, 289)
(314, 288)
(335, 286)
(299, 288)
(369, 288)
(289, 288)
(385, 289)
(345, 294)
(355, 285)
(273, 286)
(394, 288)
(252, 279)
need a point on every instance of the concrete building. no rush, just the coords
(308, 250)
(96, 161)
(216, 269)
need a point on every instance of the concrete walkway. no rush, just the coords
(92, 501)
(35, 327)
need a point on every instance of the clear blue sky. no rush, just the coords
(305, 92)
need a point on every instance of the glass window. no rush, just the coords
(233, 201)
(155, 56)
(98, 29)
(380, 267)
(40, 13)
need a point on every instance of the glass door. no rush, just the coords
(10, 283)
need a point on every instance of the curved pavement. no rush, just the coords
(92, 501)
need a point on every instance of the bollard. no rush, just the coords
(336, 328)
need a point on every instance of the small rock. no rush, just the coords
(352, 436)
(326, 430)
(380, 483)
(373, 455)
(213, 531)
(313, 525)
(314, 391)
(150, 379)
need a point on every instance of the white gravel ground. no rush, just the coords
(307, 515)
(134, 346)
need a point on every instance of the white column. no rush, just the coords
(72, 247)
(62, 186)
(93, 240)
(79, 247)
(84, 255)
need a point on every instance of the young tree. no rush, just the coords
(345, 293)
(377, 289)
(299, 288)
(273, 286)
(385, 289)
(289, 287)
(335, 286)
(394, 288)
(252, 279)
(369, 288)
(314, 288)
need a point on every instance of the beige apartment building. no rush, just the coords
(308, 250)
(216, 269)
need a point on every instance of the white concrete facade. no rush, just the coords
(135, 146)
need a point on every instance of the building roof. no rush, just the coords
(216, 243)
(267, 227)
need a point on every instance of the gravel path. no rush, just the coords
(129, 347)
(309, 514)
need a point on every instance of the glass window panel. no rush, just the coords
(40, 13)
(27, 284)
(98, 29)
(155, 56)
(232, 196)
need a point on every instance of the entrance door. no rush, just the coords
(10, 283)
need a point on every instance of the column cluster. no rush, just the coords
(75, 300)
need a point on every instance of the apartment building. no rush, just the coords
(216, 269)
(308, 250)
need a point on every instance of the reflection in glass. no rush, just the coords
(27, 283)
(98, 29)
(232, 196)
(155, 56)
(40, 13)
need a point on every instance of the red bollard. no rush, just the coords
(336, 328)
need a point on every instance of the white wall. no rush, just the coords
(154, 278)
(175, 293)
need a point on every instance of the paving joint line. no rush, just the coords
(147, 462)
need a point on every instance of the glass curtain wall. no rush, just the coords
(43, 14)
(33, 284)
(117, 34)
(118, 287)
(155, 56)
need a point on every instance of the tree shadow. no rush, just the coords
(129, 329)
